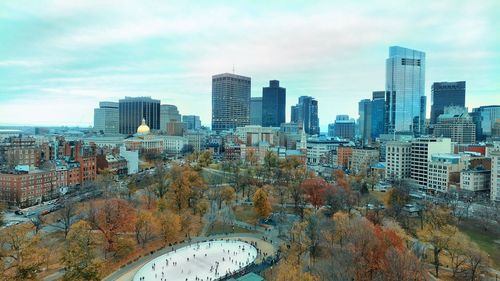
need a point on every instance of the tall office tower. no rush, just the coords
(344, 127)
(377, 114)
(256, 111)
(230, 101)
(192, 122)
(305, 113)
(295, 114)
(446, 94)
(107, 118)
(421, 154)
(485, 117)
(133, 109)
(273, 104)
(495, 176)
(405, 93)
(364, 119)
(168, 113)
(455, 123)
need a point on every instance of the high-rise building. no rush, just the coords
(371, 117)
(422, 150)
(168, 113)
(405, 90)
(230, 101)
(133, 109)
(364, 121)
(344, 127)
(106, 118)
(444, 172)
(192, 122)
(256, 111)
(456, 125)
(446, 94)
(273, 104)
(305, 113)
(485, 117)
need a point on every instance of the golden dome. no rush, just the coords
(143, 129)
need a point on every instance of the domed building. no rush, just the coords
(143, 129)
(144, 142)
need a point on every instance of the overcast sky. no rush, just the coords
(58, 59)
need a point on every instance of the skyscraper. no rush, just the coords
(305, 113)
(344, 127)
(364, 119)
(273, 104)
(106, 118)
(168, 113)
(256, 111)
(133, 109)
(446, 94)
(377, 114)
(485, 117)
(405, 93)
(230, 101)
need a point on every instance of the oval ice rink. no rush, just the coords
(203, 261)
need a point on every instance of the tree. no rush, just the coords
(186, 187)
(21, 253)
(313, 232)
(289, 272)
(170, 226)
(458, 245)
(78, 257)
(228, 194)
(105, 181)
(145, 227)
(299, 244)
(314, 190)
(131, 188)
(439, 238)
(477, 261)
(261, 203)
(202, 208)
(205, 159)
(2, 209)
(161, 181)
(396, 198)
(65, 217)
(112, 217)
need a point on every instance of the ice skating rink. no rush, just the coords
(202, 261)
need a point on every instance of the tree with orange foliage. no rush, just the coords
(112, 217)
(145, 227)
(289, 272)
(261, 203)
(170, 226)
(314, 190)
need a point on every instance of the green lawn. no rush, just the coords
(484, 238)
(219, 227)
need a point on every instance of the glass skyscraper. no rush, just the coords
(273, 104)
(305, 113)
(230, 101)
(256, 111)
(446, 94)
(405, 91)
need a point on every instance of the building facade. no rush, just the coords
(445, 94)
(405, 91)
(475, 180)
(459, 127)
(192, 122)
(256, 111)
(168, 113)
(422, 150)
(133, 109)
(485, 117)
(398, 160)
(495, 176)
(362, 159)
(273, 104)
(107, 118)
(230, 101)
(305, 113)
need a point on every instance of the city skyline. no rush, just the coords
(57, 74)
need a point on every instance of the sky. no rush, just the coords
(58, 59)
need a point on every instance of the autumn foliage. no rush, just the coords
(314, 190)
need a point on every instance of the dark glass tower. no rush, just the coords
(446, 94)
(305, 113)
(133, 109)
(273, 104)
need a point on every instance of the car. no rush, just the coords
(19, 212)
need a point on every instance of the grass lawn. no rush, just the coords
(485, 239)
(219, 227)
(245, 213)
